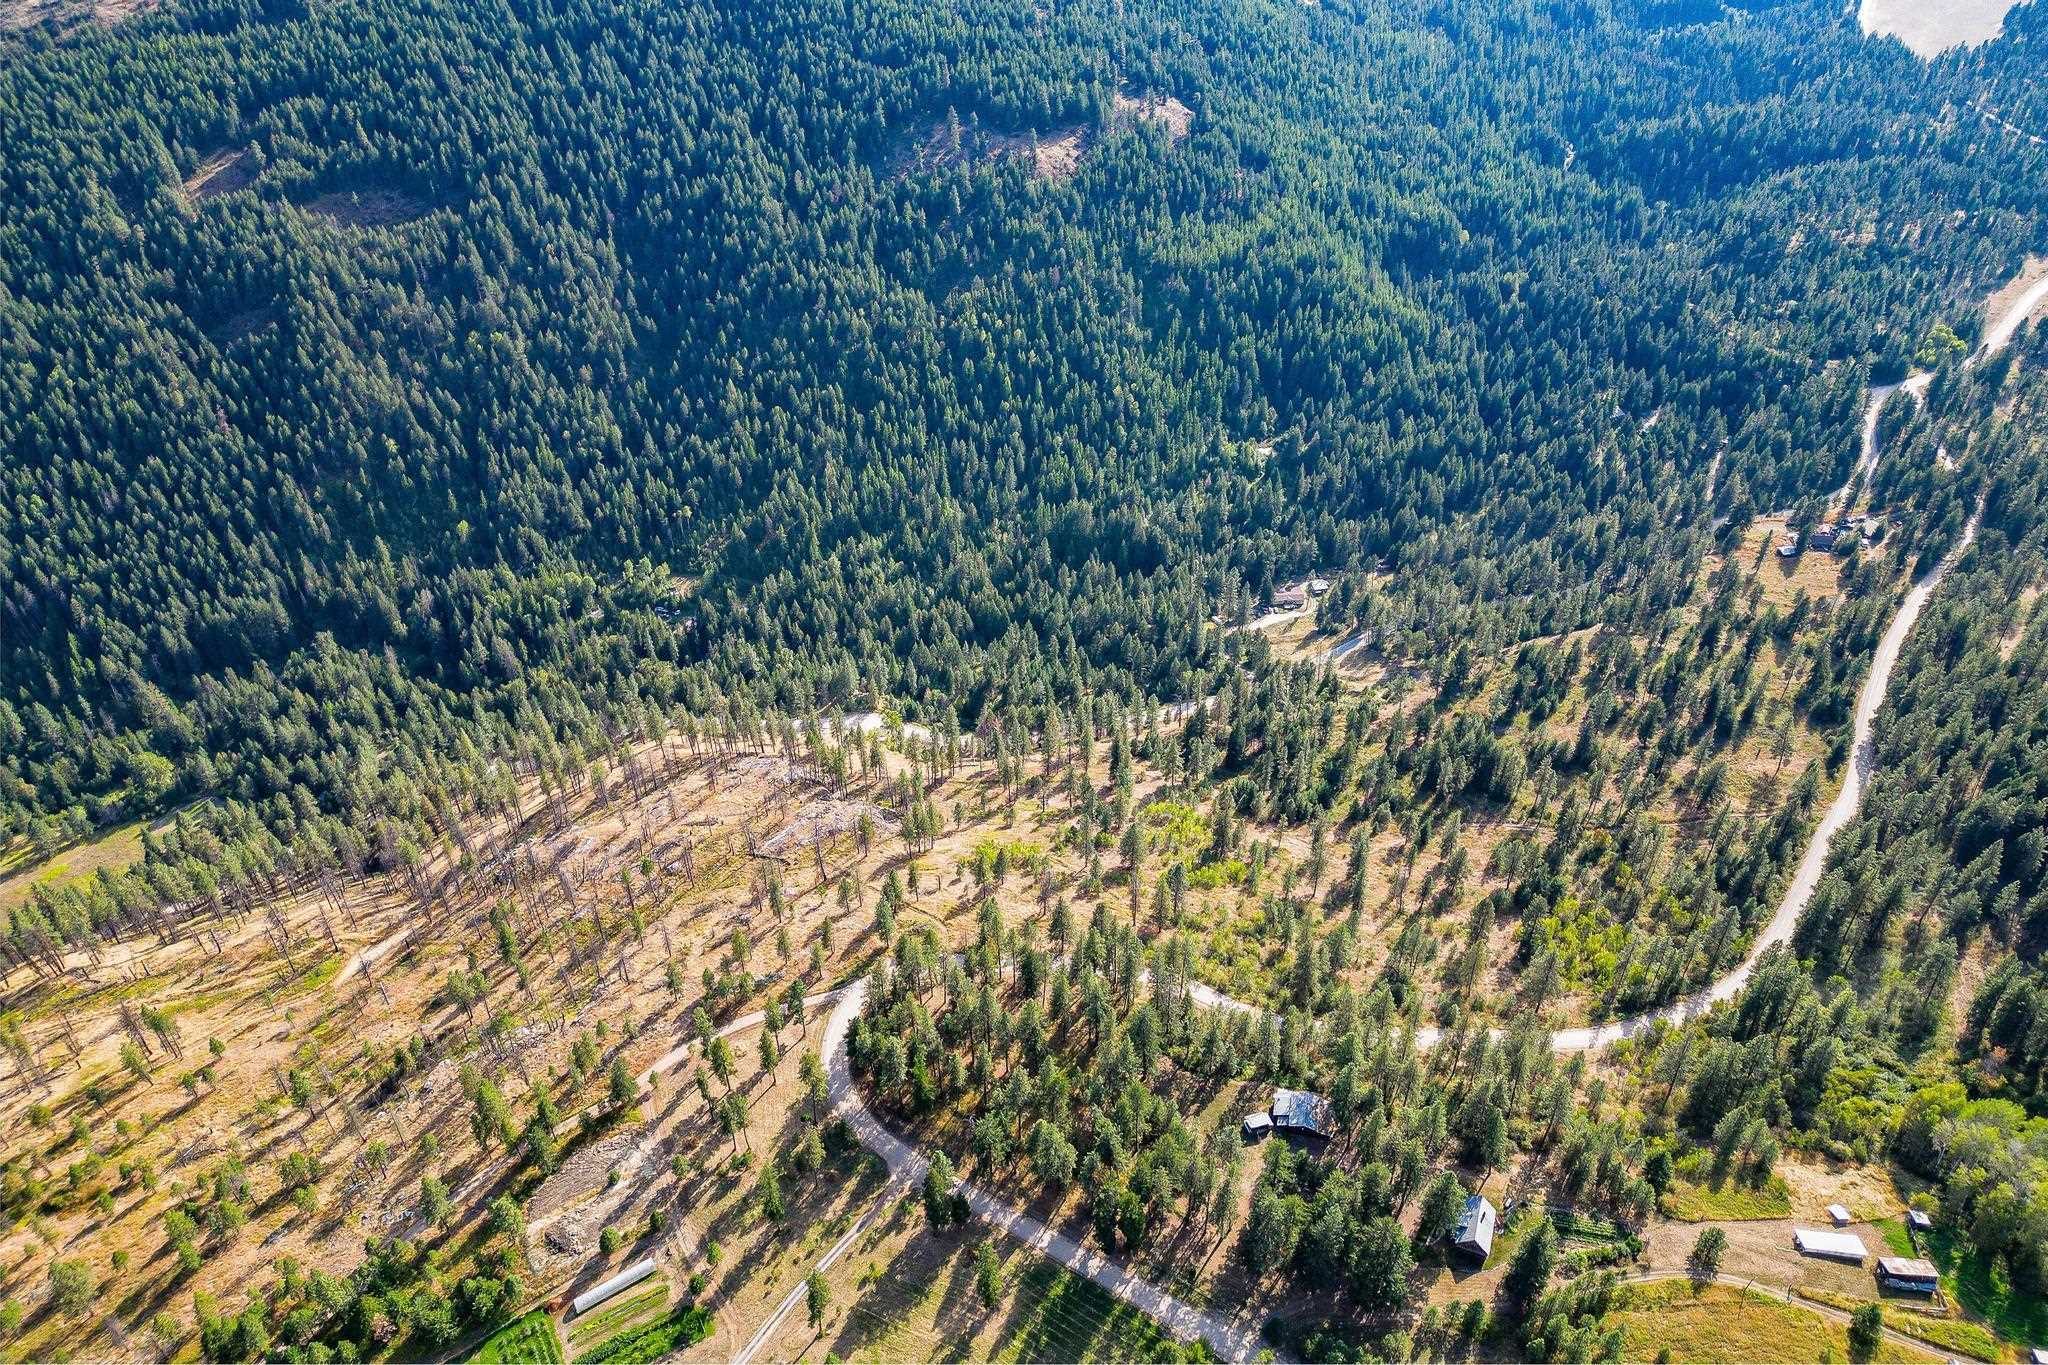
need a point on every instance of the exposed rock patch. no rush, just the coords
(1165, 110)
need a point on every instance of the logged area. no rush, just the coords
(1120, 680)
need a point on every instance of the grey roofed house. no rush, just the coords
(2038, 1356)
(1302, 1112)
(1256, 1126)
(1918, 1221)
(1905, 1273)
(1474, 1234)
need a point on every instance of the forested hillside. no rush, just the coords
(544, 543)
(374, 372)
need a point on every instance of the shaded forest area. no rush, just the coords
(385, 384)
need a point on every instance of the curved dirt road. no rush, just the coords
(1231, 1341)
(907, 1168)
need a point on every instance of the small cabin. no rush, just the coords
(1789, 549)
(1256, 1127)
(1822, 537)
(1292, 597)
(1906, 1275)
(1839, 1216)
(1918, 1221)
(1303, 1114)
(1474, 1233)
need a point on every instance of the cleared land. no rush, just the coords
(1720, 1324)
(1930, 27)
(222, 173)
(21, 14)
(368, 206)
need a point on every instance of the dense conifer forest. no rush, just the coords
(500, 352)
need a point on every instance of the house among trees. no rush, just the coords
(1906, 1275)
(1918, 1221)
(1257, 1127)
(1293, 597)
(1835, 1246)
(1302, 1114)
(1474, 1233)
(1822, 537)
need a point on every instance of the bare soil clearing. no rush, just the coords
(1929, 28)
(1165, 110)
(222, 173)
(24, 14)
(1053, 154)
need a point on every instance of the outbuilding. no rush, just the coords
(1839, 1215)
(1905, 1275)
(1835, 1246)
(1918, 1221)
(1256, 1127)
(1474, 1234)
(625, 1279)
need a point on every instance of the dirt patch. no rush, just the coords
(1930, 27)
(369, 207)
(222, 173)
(574, 1205)
(1165, 110)
(16, 15)
(821, 821)
(2030, 274)
(1053, 155)
(1762, 1250)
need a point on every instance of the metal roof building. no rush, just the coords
(1301, 1111)
(625, 1279)
(1907, 1274)
(1836, 1246)
(1474, 1234)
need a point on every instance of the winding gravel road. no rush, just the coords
(1234, 1341)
